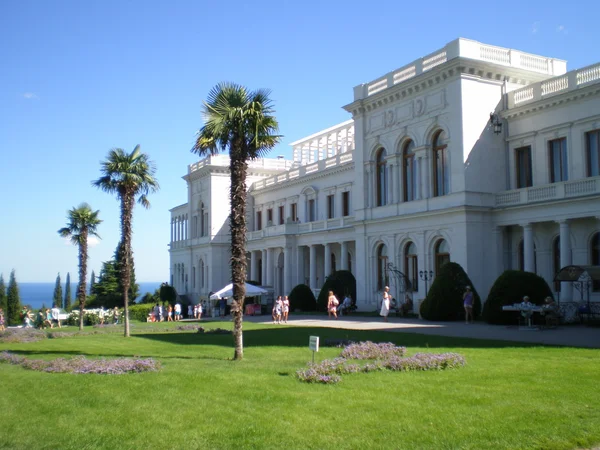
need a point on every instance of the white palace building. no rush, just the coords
(482, 155)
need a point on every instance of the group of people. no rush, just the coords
(281, 310)
(334, 307)
(44, 319)
(173, 313)
(388, 303)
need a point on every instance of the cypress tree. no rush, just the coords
(13, 308)
(92, 281)
(3, 303)
(57, 298)
(67, 302)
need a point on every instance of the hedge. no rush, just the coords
(444, 300)
(341, 283)
(302, 298)
(510, 288)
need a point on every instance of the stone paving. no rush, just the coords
(570, 335)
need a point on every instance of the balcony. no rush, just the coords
(576, 79)
(549, 192)
(300, 228)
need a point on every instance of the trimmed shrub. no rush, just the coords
(510, 288)
(341, 283)
(140, 312)
(444, 300)
(302, 298)
(168, 294)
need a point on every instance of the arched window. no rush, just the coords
(194, 277)
(409, 171)
(381, 177)
(382, 261)
(556, 261)
(441, 185)
(411, 265)
(201, 273)
(521, 256)
(202, 221)
(442, 254)
(595, 258)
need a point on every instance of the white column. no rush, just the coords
(390, 184)
(528, 250)
(313, 267)
(253, 266)
(566, 289)
(327, 268)
(269, 267)
(419, 178)
(300, 265)
(172, 228)
(368, 200)
(396, 186)
(344, 256)
(287, 270)
(264, 268)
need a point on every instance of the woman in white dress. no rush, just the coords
(385, 304)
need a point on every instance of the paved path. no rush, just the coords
(572, 335)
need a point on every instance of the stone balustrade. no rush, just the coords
(262, 163)
(549, 192)
(464, 48)
(576, 79)
(300, 228)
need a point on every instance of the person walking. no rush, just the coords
(468, 304)
(286, 308)
(385, 304)
(332, 304)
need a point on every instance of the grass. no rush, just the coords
(509, 395)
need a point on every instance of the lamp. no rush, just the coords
(496, 123)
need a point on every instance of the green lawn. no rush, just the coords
(508, 396)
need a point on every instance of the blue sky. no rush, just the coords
(81, 77)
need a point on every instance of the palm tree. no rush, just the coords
(242, 122)
(128, 175)
(82, 223)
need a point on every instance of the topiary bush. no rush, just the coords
(140, 312)
(302, 298)
(444, 300)
(341, 283)
(510, 288)
(167, 294)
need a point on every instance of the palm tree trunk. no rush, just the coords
(126, 219)
(238, 169)
(83, 256)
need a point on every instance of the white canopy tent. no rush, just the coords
(227, 291)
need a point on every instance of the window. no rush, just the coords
(345, 203)
(269, 216)
(595, 258)
(559, 170)
(281, 215)
(312, 213)
(201, 273)
(411, 265)
(294, 211)
(194, 277)
(381, 176)
(260, 278)
(592, 143)
(556, 261)
(258, 220)
(202, 221)
(382, 261)
(330, 206)
(442, 255)
(521, 256)
(441, 185)
(409, 171)
(523, 161)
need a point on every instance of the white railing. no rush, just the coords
(467, 49)
(570, 81)
(334, 161)
(261, 163)
(300, 228)
(549, 192)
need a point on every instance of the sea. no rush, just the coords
(38, 294)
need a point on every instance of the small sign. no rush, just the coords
(313, 343)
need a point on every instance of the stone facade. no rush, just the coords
(477, 154)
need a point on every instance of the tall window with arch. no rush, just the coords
(442, 255)
(381, 175)
(409, 171)
(202, 221)
(441, 181)
(194, 277)
(595, 258)
(411, 265)
(382, 262)
(201, 273)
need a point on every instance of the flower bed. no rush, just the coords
(385, 356)
(22, 335)
(82, 365)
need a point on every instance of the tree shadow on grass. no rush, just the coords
(299, 337)
(60, 353)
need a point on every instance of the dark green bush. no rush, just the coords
(444, 300)
(168, 294)
(510, 288)
(140, 312)
(341, 283)
(302, 298)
